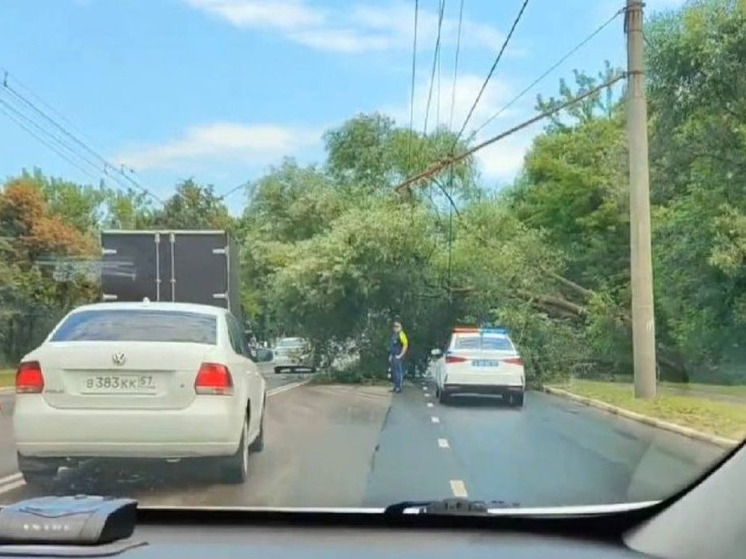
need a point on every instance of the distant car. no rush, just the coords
(141, 381)
(479, 361)
(293, 354)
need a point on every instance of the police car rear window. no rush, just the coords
(494, 343)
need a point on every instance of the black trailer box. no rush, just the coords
(173, 265)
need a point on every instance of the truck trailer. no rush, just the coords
(172, 265)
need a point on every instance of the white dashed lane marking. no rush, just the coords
(458, 488)
(443, 443)
(435, 419)
(430, 404)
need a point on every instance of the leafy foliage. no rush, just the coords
(333, 252)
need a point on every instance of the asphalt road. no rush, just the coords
(362, 446)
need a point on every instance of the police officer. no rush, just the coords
(397, 351)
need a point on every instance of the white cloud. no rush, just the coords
(250, 144)
(353, 29)
(288, 14)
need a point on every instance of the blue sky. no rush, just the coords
(219, 90)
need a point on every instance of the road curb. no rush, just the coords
(647, 420)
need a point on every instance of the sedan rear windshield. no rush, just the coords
(494, 343)
(130, 325)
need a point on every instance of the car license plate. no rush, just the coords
(119, 384)
(485, 363)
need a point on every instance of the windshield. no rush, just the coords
(137, 326)
(312, 253)
(487, 343)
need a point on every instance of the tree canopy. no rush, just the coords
(332, 252)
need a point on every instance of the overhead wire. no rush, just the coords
(439, 166)
(492, 70)
(107, 168)
(455, 64)
(17, 117)
(29, 124)
(548, 71)
(435, 61)
(412, 85)
(449, 192)
(235, 189)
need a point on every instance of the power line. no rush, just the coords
(492, 70)
(54, 123)
(455, 64)
(411, 91)
(435, 61)
(50, 140)
(548, 71)
(53, 141)
(40, 101)
(18, 118)
(106, 164)
(554, 110)
(235, 189)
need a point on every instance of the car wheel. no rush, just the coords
(39, 475)
(443, 397)
(235, 468)
(517, 400)
(278, 370)
(258, 444)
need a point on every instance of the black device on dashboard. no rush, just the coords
(73, 520)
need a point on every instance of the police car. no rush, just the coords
(479, 361)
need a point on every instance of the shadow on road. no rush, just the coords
(112, 477)
(479, 402)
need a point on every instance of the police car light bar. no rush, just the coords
(459, 329)
(494, 331)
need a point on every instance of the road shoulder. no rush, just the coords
(648, 420)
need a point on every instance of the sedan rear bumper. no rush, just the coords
(206, 428)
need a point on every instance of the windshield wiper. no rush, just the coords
(456, 507)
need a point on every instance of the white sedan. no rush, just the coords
(139, 380)
(479, 361)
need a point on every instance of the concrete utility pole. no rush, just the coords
(643, 317)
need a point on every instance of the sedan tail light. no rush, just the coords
(455, 359)
(29, 378)
(514, 361)
(215, 379)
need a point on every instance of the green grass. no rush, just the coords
(738, 391)
(7, 377)
(724, 419)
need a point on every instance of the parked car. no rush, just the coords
(479, 361)
(293, 354)
(139, 380)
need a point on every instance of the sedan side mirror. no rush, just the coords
(436, 353)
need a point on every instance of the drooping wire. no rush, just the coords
(234, 189)
(435, 62)
(450, 127)
(492, 70)
(448, 161)
(548, 71)
(455, 64)
(411, 87)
